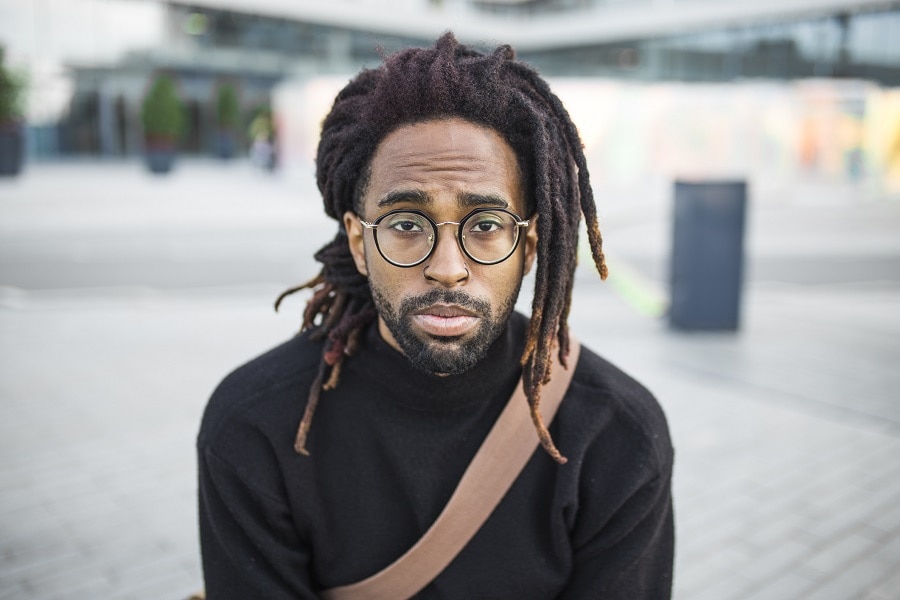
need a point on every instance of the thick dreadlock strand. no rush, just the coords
(544, 436)
(493, 90)
(291, 290)
(563, 335)
(311, 403)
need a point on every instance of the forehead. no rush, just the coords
(447, 161)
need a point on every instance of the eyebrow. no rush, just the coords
(410, 196)
(476, 200)
(423, 199)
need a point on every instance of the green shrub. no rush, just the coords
(162, 112)
(11, 88)
(228, 109)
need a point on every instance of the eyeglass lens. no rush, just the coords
(406, 238)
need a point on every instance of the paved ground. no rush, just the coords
(124, 299)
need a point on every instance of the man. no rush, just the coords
(450, 172)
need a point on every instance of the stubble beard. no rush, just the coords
(444, 355)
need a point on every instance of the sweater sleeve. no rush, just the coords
(632, 558)
(249, 545)
(623, 536)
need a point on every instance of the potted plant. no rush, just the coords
(228, 114)
(12, 137)
(162, 118)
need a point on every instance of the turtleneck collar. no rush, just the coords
(389, 374)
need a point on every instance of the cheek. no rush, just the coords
(502, 281)
(391, 282)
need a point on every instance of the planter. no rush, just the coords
(162, 117)
(225, 144)
(12, 150)
(159, 160)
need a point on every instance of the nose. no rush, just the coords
(447, 263)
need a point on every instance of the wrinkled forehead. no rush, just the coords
(444, 160)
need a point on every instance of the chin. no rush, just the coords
(443, 356)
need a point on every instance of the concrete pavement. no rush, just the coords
(787, 481)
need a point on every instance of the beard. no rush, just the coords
(444, 355)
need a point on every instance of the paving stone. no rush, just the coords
(721, 588)
(49, 563)
(12, 591)
(887, 588)
(774, 560)
(790, 585)
(852, 580)
(70, 584)
(722, 563)
(836, 555)
(887, 519)
(765, 532)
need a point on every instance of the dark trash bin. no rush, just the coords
(707, 255)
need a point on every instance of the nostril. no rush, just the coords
(446, 277)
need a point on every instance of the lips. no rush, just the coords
(445, 320)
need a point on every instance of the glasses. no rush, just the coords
(405, 238)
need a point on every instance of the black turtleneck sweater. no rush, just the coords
(388, 447)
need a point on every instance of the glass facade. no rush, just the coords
(292, 39)
(863, 45)
(859, 45)
(206, 46)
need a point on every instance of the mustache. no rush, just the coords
(481, 307)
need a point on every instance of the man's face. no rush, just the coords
(444, 313)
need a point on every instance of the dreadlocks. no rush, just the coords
(493, 90)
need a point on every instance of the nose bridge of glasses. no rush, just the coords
(436, 239)
(457, 223)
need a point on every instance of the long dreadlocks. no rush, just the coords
(494, 90)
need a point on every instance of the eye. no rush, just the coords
(405, 223)
(486, 224)
(406, 226)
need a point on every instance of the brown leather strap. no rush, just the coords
(502, 456)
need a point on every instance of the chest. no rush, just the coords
(390, 474)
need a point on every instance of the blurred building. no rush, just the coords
(255, 44)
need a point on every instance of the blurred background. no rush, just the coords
(157, 193)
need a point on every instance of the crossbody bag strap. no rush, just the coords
(498, 462)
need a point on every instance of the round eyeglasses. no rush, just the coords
(405, 238)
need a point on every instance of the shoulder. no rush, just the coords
(264, 390)
(610, 413)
